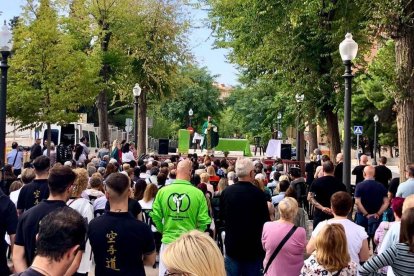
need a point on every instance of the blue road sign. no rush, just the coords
(358, 130)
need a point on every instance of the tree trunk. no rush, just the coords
(102, 106)
(333, 133)
(142, 123)
(313, 137)
(49, 138)
(404, 53)
(102, 99)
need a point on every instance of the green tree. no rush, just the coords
(196, 92)
(50, 79)
(293, 42)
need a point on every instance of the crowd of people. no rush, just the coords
(116, 212)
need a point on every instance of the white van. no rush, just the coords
(71, 134)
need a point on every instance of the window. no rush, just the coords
(92, 141)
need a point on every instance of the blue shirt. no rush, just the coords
(19, 159)
(406, 188)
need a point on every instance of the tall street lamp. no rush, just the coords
(348, 50)
(6, 45)
(279, 118)
(375, 139)
(190, 115)
(299, 99)
(136, 91)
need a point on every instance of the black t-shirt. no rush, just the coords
(32, 194)
(394, 183)
(28, 225)
(134, 208)
(29, 272)
(323, 188)
(383, 175)
(310, 169)
(8, 223)
(118, 242)
(339, 169)
(359, 172)
(243, 208)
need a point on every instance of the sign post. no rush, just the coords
(128, 127)
(358, 131)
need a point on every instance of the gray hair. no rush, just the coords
(91, 170)
(243, 167)
(231, 176)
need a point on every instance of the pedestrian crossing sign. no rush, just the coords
(358, 130)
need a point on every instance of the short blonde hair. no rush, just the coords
(194, 253)
(205, 177)
(331, 247)
(126, 166)
(288, 208)
(81, 182)
(284, 177)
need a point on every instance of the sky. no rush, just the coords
(200, 39)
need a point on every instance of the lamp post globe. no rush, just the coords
(6, 45)
(348, 50)
(376, 119)
(136, 91)
(299, 98)
(190, 115)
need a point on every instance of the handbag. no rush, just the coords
(279, 247)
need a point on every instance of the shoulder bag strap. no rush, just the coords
(15, 157)
(279, 247)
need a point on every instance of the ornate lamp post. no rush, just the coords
(376, 119)
(190, 115)
(6, 45)
(299, 99)
(348, 50)
(136, 91)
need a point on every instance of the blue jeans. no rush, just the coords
(247, 268)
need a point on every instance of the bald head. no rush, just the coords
(369, 172)
(339, 157)
(408, 203)
(184, 170)
(364, 159)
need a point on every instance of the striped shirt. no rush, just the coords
(398, 257)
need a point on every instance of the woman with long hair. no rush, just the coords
(127, 154)
(85, 209)
(139, 189)
(400, 257)
(79, 157)
(149, 195)
(110, 168)
(289, 260)
(331, 256)
(194, 253)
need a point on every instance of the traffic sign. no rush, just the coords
(358, 130)
(128, 125)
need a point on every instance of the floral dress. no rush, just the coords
(311, 267)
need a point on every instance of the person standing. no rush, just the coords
(36, 150)
(34, 192)
(244, 211)
(121, 244)
(8, 224)
(407, 188)
(61, 236)
(371, 200)
(339, 168)
(210, 135)
(60, 184)
(320, 193)
(179, 208)
(382, 173)
(358, 171)
(84, 143)
(15, 159)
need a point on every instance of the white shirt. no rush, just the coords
(85, 209)
(355, 235)
(14, 196)
(146, 205)
(127, 157)
(99, 203)
(391, 238)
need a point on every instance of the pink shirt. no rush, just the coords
(289, 261)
